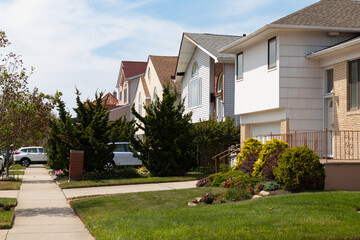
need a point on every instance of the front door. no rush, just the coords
(219, 109)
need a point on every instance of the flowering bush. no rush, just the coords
(60, 172)
(258, 188)
(208, 198)
(227, 183)
(203, 182)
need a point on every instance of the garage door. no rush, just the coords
(265, 129)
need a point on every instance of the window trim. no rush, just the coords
(237, 66)
(275, 63)
(199, 102)
(221, 76)
(350, 86)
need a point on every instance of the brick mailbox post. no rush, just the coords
(76, 164)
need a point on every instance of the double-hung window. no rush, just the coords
(195, 87)
(329, 80)
(272, 53)
(240, 66)
(354, 84)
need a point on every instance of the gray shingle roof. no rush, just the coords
(213, 42)
(329, 13)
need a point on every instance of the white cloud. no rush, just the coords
(59, 39)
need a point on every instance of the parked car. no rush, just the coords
(27, 155)
(123, 156)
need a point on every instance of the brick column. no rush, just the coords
(76, 164)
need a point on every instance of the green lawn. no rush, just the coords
(126, 181)
(165, 215)
(17, 167)
(6, 212)
(16, 172)
(10, 185)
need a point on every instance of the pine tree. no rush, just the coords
(168, 148)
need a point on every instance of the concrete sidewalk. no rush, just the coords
(109, 190)
(43, 212)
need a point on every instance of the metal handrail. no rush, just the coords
(221, 157)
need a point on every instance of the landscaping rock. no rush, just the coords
(264, 193)
(191, 204)
(256, 196)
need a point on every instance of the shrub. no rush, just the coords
(249, 154)
(96, 175)
(218, 179)
(208, 198)
(299, 169)
(202, 169)
(203, 182)
(129, 172)
(237, 194)
(268, 158)
(271, 186)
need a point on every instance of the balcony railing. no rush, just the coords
(328, 144)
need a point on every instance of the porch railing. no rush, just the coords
(328, 144)
(226, 157)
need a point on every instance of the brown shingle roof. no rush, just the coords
(132, 69)
(329, 13)
(165, 68)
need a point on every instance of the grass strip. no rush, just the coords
(7, 212)
(165, 215)
(10, 184)
(127, 181)
(17, 167)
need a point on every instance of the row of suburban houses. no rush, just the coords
(298, 74)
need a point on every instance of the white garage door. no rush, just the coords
(265, 129)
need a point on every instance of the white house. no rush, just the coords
(278, 88)
(206, 75)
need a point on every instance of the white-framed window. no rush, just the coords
(120, 95)
(195, 70)
(354, 84)
(149, 75)
(220, 82)
(329, 80)
(195, 92)
(272, 53)
(140, 104)
(155, 96)
(125, 95)
(240, 66)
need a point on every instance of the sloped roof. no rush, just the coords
(213, 42)
(165, 68)
(132, 68)
(329, 13)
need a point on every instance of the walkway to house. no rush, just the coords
(108, 190)
(43, 212)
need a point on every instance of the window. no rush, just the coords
(195, 93)
(122, 147)
(41, 150)
(195, 70)
(220, 82)
(240, 66)
(32, 150)
(140, 104)
(155, 96)
(149, 75)
(125, 95)
(272, 53)
(354, 79)
(120, 96)
(329, 80)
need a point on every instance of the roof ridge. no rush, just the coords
(214, 34)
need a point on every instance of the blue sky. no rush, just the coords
(82, 43)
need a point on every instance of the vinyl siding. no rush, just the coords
(203, 110)
(229, 73)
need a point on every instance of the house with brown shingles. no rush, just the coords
(297, 78)
(158, 73)
(129, 77)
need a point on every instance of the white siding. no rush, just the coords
(259, 88)
(301, 80)
(229, 74)
(202, 111)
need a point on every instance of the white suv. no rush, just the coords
(27, 155)
(123, 156)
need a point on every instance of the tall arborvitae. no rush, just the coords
(168, 148)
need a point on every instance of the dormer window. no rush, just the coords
(272, 53)
(195, 70)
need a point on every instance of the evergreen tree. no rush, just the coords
(168, 148)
